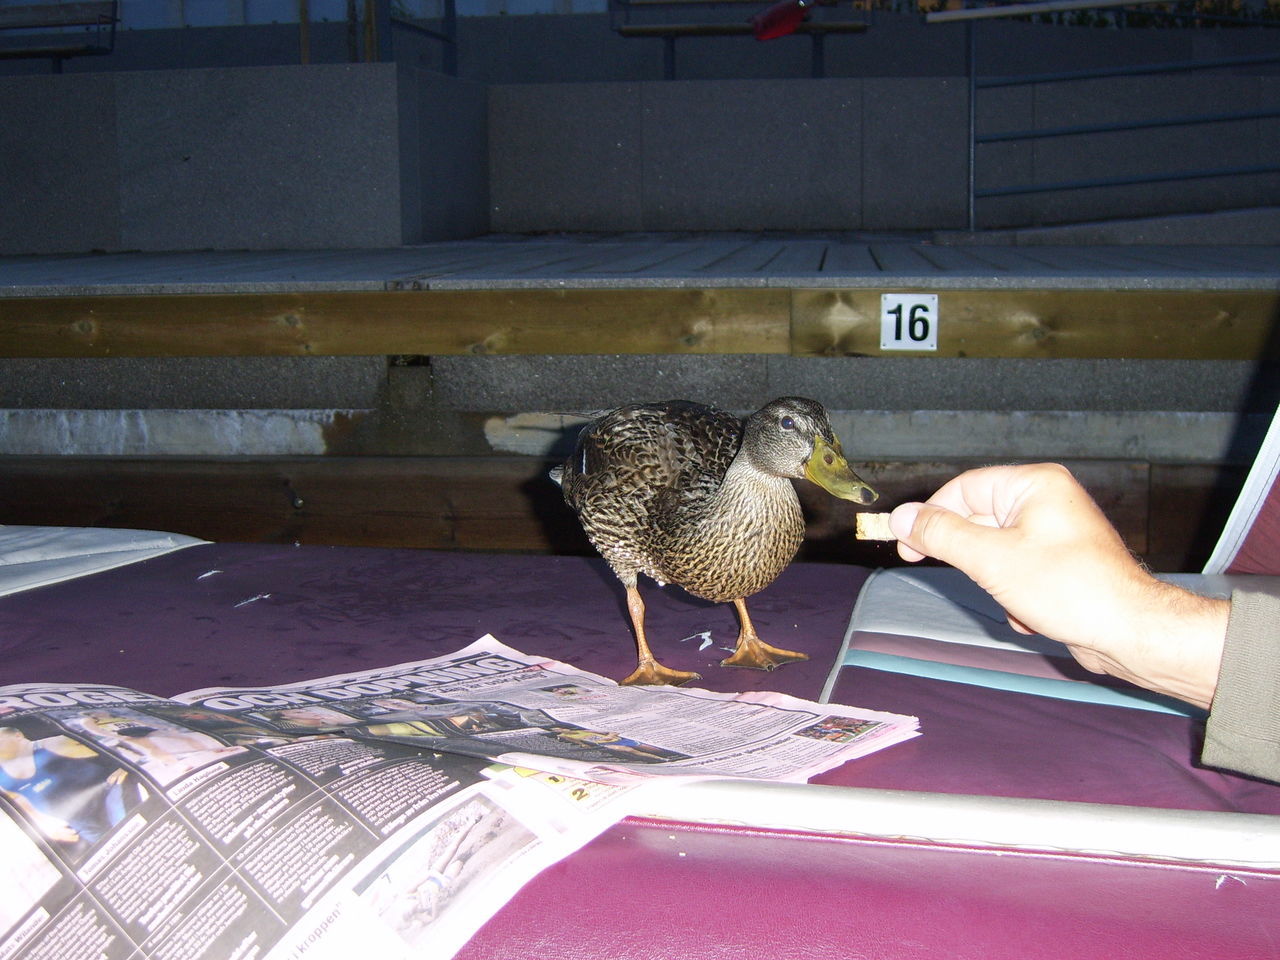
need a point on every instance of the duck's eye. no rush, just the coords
(786, 423)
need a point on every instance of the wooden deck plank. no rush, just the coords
(746, 261)
(630, 260)
(962, 259)
(571, 265)
(488, 261)
(672, 259)
(905, 260)
(796, 260)
(695, 260)
(843, 258)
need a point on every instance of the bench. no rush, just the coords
(47, 30)
(669, 29)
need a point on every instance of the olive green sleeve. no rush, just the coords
(1243, 730)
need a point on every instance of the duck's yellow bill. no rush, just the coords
(828, 468)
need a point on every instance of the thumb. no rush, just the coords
(926, 530)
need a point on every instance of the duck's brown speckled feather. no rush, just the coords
(647, 483)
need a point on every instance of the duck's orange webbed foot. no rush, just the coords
(651, 673)
(754, 652)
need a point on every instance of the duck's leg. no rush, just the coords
(754, 652)
(649, 670)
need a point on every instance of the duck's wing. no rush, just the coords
(698, 444)
(644, 451)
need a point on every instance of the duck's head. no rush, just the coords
(792, 437)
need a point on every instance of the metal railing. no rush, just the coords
(970, 17)
(369, 29)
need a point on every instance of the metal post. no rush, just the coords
(353, 33)
(450, 52)
(304, 31)
(970, 69)
(377, 31)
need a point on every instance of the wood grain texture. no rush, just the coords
(1047, 324)
(1168, 515)
(666, 321)
(1222, 325)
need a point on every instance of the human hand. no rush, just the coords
(1034, 539)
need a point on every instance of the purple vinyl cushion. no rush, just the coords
(242, 614)
(237, 614)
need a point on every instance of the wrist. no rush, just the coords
(1179, 640)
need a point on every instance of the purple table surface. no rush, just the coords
(273, 614)
(245, 614)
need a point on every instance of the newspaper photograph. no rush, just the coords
(392, 810)
(491, 701)
(139, 827)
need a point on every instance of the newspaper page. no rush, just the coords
(392, 810)
(139, 827)
(491, 701)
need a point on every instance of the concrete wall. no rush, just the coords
(378, 155)
(322, 156)
(870, 154)
(444, 170)
(728, 155)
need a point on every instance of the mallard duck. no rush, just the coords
(691, 495)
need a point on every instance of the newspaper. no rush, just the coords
(391, 810)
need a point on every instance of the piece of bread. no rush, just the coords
(873, 526)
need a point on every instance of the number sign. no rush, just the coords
(909, 321)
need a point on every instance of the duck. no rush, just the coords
(691, 495)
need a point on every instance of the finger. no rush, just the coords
(973, 492)
(909, 554)
(1018, 625)
(943, 535)
(1001, 493)
(901, 521)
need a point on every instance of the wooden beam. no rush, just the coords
(509, 504)
(482, 503)
(678, 321)
(1085, 324)
(1037, 323)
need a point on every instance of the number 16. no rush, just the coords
(909, 321)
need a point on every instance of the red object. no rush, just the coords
(779, 20)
